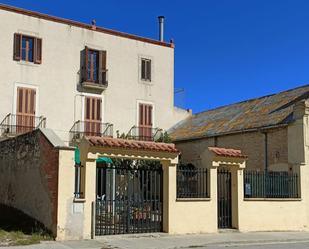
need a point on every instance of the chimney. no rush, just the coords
(93, 24)
(161, 28)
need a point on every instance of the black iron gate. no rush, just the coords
(224, 199)
(129, 198)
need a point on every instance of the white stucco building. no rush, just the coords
(60, 72)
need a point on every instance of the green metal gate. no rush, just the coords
(129, 199)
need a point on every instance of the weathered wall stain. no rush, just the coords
(29, 177)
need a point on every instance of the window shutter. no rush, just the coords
(37, 51)
(102, 67)
(150, 115)
(148, 70)
(17, 47)
(143, 69)
(84, 70)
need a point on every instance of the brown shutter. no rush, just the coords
(150, 115)
(25, 111)
(17, 47)
(93, 116)
(145, 122)
(148, 69)
(85, 65)
(143, 69)
(37, 50)
(102, 67)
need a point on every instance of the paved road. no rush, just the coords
(289, 245)
(230, 240)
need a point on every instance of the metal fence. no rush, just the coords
(192, 182)
(263, 184)
(89, 128)
(144, 133)
(14, 124)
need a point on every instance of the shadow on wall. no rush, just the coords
(12, 219)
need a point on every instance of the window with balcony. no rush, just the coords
(94, 72)
(27, 48)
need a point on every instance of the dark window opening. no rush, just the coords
(146, 70)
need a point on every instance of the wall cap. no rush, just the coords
(192, 199)
(273, 199)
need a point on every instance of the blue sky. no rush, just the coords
(226, 50)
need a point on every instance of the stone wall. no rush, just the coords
(29, 177)
(251, 143)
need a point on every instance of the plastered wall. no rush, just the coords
(57, 79)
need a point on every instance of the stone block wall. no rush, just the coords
(29, 177)
(252, 144)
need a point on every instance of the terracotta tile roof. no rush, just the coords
(227, 152)
(267, 111)
(82, 25)
(131, 144)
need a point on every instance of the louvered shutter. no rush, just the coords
(143, 69)
(93, 116)
(145, 122)
(84, 69)
(17, 47)
(102, 67)
(25, 111)
(148, 69)
(37, 51)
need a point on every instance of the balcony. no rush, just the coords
(144, 133)
(96, 82)
(90, 128)
(15, 124)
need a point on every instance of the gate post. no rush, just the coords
(93, 219)
(169, 191)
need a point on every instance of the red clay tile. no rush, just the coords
(131, 144)
(227, 152)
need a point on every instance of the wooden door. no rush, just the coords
(93, 116)
(25, 111)
(145, 122)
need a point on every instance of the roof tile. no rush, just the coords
(227, 152)
(131, 144)
(267, 111)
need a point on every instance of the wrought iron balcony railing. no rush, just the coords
(144, 133)
(96, 82)
(90, 128)
(14, 124)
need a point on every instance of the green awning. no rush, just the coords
(104, 159)
(77, 156)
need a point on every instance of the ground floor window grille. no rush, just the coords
(192, 182)
(77, 187)
(261, 184)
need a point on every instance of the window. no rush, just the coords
(27, 48)
(94, 66)
(93, 118)
(146, 69)
(192, 182)
(145, 122)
